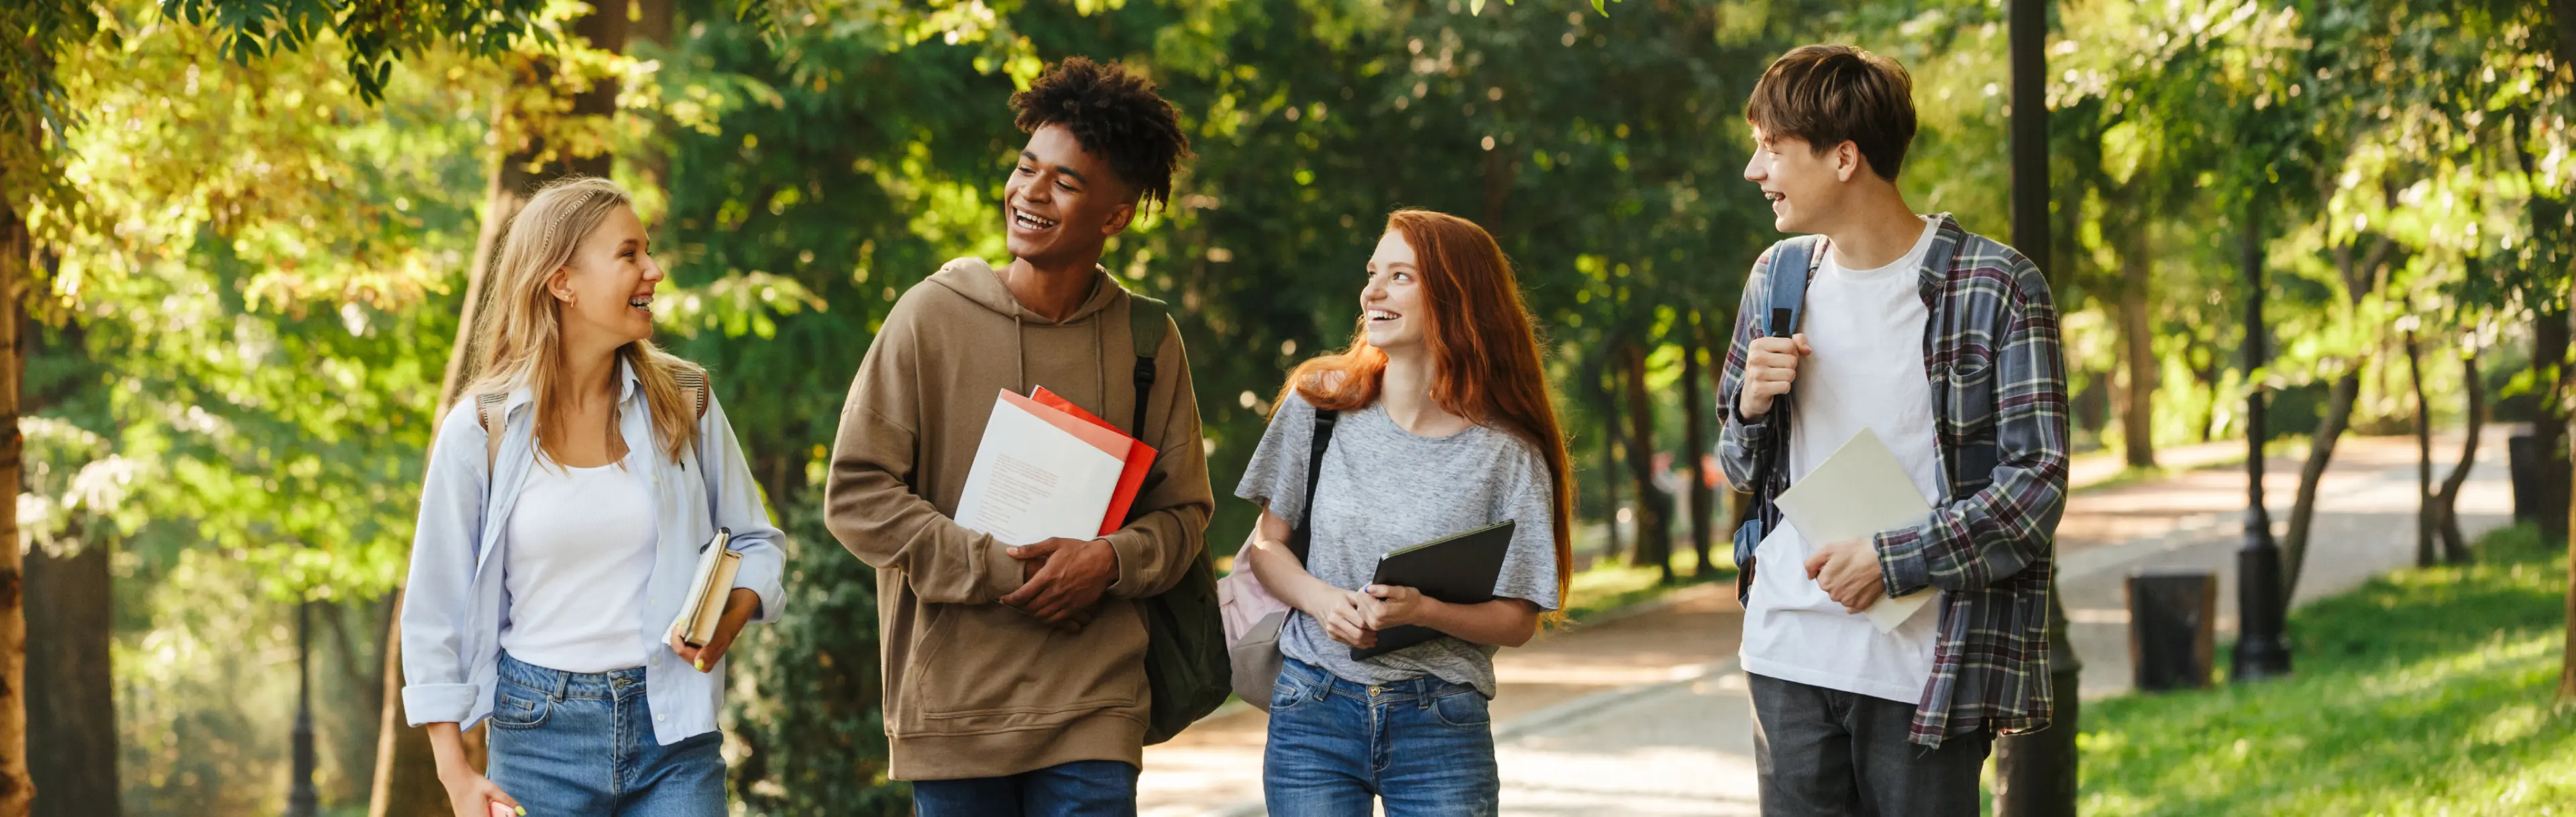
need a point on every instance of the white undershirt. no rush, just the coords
(1866, 327)
(579, 552)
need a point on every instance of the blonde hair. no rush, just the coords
(520, 340)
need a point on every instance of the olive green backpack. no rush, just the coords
(1186, 664)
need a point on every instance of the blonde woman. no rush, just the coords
(547, 568)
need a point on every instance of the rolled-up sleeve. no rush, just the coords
(437, 593)
(739, 507)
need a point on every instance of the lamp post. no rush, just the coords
(2260, 651)
(300, 799)
(2035, 773)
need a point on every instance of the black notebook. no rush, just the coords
(1458, 569)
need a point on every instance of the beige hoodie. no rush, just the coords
(974, 688)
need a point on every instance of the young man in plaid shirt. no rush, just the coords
(1944, 343)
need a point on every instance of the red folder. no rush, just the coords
(1140, 458)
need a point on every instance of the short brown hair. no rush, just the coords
(1830, 94)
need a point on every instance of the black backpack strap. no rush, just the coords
(1148, 322)
(1301, 538)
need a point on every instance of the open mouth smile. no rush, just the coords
(1031, 221)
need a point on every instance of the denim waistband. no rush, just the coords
(558, 684)
(1317, 683)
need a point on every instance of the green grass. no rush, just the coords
(2424, 692)
(1610, 586)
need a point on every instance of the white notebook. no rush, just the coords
(1040, 473)
(1856, 493)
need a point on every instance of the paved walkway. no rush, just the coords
(1645, 714)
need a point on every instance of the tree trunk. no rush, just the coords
(2424, 516)
(2551, 426)
(2138, 354)
(2303, 510)
(406, 779)
(72, 711)
(2360, 276)
(17, 254)
(1613, 550)
(1654, 517)
(2446, 502)
(1695, 446)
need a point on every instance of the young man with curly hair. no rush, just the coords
(1014, 676)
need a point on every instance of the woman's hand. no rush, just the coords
(1387, 606)
(739, 606)
(469, 793)
(473, 795)
(1341, 613)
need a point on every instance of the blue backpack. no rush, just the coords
(1784, 297)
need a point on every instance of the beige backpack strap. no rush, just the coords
(486, 407)
(694, 380)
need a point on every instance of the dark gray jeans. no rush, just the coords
(1830, 753)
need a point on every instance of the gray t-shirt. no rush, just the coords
(1382, 489)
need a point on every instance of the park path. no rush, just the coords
(1644, 712)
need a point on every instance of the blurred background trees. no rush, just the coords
(244, 238)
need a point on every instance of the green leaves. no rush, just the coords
(377, 33)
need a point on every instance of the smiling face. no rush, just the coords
(1398, 314)
(1062, 202)
(1806, 187)
(606, 290)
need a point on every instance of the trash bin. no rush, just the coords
(2173, 620)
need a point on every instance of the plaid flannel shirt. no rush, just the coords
(1990, 350)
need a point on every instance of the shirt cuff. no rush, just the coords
(1900, 561)
(438, 703)
(1002, 574)
(761, 577)
(1128, 547)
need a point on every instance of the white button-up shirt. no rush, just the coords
(454, 605)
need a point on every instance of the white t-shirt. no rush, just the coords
(1866, 327)
(579, 552)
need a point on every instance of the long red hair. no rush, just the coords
(1484, 349)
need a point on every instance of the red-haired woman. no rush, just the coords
(1444, 425)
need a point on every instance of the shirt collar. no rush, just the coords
(627, 383)
(1937, 260)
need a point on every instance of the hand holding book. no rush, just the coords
(739, 606)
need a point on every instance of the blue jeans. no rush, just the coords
(1425, 746)
(1083, 788)
(566, 743)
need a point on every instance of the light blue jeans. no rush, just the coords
(566, 743)
(1425, 746)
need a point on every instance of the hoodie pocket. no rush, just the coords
(989, 668)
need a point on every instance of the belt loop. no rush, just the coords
(563, 680)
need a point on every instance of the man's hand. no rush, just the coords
(740, 605)
(1848, 571)
(1770, 366)
(1070, 576)
(1345, 619)
(1394, 606)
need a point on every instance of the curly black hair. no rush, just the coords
(1115, 115)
